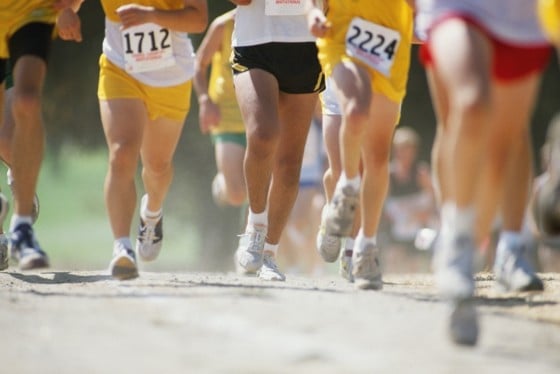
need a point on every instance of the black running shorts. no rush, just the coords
(294, 65)
(31, 39)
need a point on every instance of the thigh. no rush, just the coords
(468, 69)
(160, 140)
(258, 95)
(123, 121)
(513, 104)
(296, 113)
(352, 84)
(383, 119)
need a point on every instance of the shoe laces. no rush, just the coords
(23, 235)
(255, 238)
(270, 263)
(148, 231)
(120, 248)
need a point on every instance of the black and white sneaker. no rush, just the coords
(150, 235)
(26, 250)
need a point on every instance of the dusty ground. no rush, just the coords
(84, 322)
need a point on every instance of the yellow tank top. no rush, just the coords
(220, 86)
(110, 6)
(17, 13)
(32, 9)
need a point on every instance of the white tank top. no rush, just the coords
(253, 26)
(510, 21)
(180, 72)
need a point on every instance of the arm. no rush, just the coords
(209, 112)
(316, 20)
(192, 18)
(72, 4)
(68, 22)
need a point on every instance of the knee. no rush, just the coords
(26, 104)
(263, 139)
(123, 160)
(473, 100)
(157, 168)
(356, 114)
(236, 196)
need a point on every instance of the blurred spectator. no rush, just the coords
(410, 205)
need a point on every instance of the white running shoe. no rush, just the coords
(327, 245)
(345, 267)
(512, 270)
(341, 211)
(123, 265)
(269, 269)
(367, 269)
(463, 322)
(453, 266)
(249, 254)
(150, 235)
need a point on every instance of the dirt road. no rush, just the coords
(84, 322)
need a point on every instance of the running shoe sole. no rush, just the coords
(123, 268)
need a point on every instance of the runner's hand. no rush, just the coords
(134, 15)
(209, 115)
(317, 22)
(69, 25)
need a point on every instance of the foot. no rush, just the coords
(327, 245)
(513, 271)
(453, 265)
(463, 322)
(26, 250)
(123, 265)
(269, 269)
(367, 269)
(150, 235)
(249, 254)
(345, 266)
(341, 211)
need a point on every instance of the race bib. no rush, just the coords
(284, 7)
(373, 44)
(147, 47)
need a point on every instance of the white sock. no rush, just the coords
(257, 218)
(18, 220)
(349, 246)
(459, 221)
(362, 241)
(124, 241)
(147, 214)
(343, 181)
(272, 248)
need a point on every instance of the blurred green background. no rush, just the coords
(73, 227)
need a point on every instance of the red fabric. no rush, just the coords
(510, 62)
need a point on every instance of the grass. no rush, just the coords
(73, 227)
